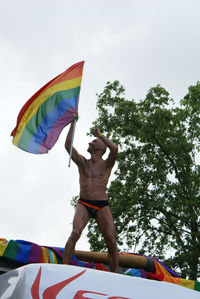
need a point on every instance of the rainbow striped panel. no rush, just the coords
(48, 111)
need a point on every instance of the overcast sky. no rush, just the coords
(140, 43)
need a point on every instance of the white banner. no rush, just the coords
(49, 281)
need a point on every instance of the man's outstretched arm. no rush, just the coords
(110, 144)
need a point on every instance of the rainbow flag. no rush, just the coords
(48, 111)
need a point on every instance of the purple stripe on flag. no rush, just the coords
(35, 254)
(55, 131)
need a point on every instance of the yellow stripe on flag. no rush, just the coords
(45, 255)
(187, 283)
(3, 246)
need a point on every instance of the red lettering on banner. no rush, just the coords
(35, 286)
(53, 290)
(80, 293)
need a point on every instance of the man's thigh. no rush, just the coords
(105, 222)
(81, 217)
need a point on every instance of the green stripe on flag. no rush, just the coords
(197, 286)
(11, 250)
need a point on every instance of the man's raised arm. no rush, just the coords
(110, 144)
(76, 157)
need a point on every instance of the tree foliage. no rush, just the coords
(155, 194)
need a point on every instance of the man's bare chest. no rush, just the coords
(94, 170)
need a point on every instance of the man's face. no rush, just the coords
(95, 145)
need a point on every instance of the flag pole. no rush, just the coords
(73, 133)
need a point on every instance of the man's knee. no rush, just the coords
(75, 235)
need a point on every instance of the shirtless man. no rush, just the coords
(93, 202)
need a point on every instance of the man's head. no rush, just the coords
(96, 145)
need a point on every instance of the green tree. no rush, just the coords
(155, 194)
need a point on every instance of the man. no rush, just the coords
(93, 202)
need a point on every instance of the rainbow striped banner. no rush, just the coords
(48, 111)
(25, 252)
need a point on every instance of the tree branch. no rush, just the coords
(173, 164)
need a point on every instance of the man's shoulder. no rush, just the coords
(84, 161)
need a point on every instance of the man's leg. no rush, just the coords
(81, 218)
(106, 225)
